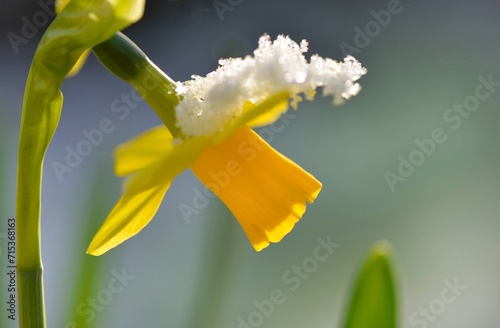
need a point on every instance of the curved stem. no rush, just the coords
(37, 128)
(80, 26)
(126, 60)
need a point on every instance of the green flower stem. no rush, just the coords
(126, 60)
(36, 131)
(80, 26)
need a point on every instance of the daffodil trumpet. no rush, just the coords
(208, 128)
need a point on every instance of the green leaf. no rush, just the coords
(80, 26)
(373, 300)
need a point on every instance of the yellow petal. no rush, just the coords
(267, 111)
(142, 151)
(79, 64)
(270, 116)
(133, 212)
(143, 194)
(60, 4)
(266, 192)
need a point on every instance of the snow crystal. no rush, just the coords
(209, 103)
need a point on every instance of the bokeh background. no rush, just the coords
(443, 220)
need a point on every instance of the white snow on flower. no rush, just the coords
(209, 103)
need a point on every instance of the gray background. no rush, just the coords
(442, 220)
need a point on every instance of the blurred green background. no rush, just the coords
(443, 220)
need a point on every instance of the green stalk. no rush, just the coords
(36, 132)
(80, 26)
(126, 60)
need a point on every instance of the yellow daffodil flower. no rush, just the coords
(265, 191)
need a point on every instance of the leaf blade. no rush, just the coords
(373, 300)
